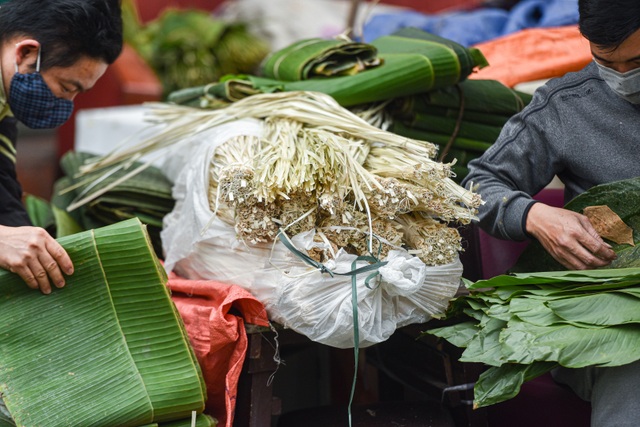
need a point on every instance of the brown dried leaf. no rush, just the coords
(609, 225)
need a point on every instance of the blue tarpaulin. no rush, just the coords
(479, 25)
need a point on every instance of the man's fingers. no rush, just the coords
(53, 271)
(579, 258)
(595, 244)
(41, 276)
(59, 255)
(24, 271)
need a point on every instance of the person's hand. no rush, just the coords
(35, 256)
(569, 237)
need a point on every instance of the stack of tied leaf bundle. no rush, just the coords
(108, 349)
(116, 197)
(319, 166)
(191, 47)
(353, 73)
(414, 81)
(463, 119)
(525, 324)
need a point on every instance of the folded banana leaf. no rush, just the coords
(320, 58)
(108, 349)
(480, 96)
(622, 197)
(400, 75)
(405, 111)
(440, 139)
(468, 116)
(146, 196)
(410, 65)
(450, 63)
(202, 420)
(447, 126)
(468, 58)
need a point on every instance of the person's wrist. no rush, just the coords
(529, 219)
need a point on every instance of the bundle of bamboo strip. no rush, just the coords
(318, 165)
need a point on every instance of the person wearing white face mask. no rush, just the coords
(49, 52)
(583, 128)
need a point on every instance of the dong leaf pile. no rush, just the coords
(524, 325)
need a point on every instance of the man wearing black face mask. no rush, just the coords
(49, 52)
(583, 128)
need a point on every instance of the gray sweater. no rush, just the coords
(576, 128)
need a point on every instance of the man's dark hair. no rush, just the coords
(67, 30)
(608, 23)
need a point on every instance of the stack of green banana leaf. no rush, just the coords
(108, 349)
(463, 119)
(525, 324)
(146, 196)
(190, 47)
(406, 63)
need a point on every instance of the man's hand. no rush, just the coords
(569, 237)
(35, 256)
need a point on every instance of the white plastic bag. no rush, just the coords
(295, 294)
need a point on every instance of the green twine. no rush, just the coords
(373, 267)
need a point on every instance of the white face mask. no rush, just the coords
(626, 85)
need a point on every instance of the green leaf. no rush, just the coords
(533, 311)
(566, 277)
(65, 224)
(606, 309)
(569, 345)
(498, 384)
(39, 211)
(459, 334)
(107, 349)
(485, 347)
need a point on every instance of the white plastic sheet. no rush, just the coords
(318, 305)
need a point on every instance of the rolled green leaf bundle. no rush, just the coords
(410, 65)
(447, 126)
(481, 96)
(468, 116)
(449, 63)
(440, 139)
(107, 349)
(320, 58)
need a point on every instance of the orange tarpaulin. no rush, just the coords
(217, 335)
(534, 54)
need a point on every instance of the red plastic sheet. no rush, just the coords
(534, 54)
(217, 334)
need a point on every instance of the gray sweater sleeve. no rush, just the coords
(575, 128)
(518, 165)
